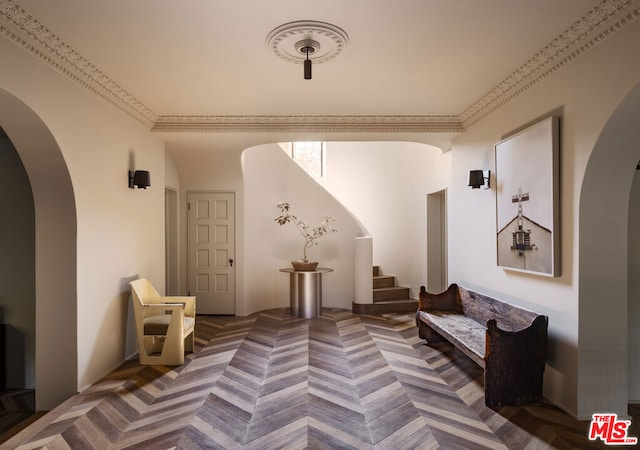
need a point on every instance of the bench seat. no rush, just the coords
(507, 341)
(462, 331)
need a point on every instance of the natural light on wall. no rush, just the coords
(308, 155)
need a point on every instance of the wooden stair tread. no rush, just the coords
(390, 288)
(387, 296)
(395, 302)
(387, 307)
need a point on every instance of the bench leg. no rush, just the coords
(520, 385)
(514, 365)
(426, 332)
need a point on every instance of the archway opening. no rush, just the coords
(55, 228)
(604, 248)
(17, 289)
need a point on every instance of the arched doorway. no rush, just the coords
(17, 280)
(603, 250)
(56, 351)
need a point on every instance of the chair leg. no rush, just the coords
(189, 342)
(166, 354)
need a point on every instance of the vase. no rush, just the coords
(304, 266)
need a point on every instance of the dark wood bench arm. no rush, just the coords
(445, 301)
(514, 364)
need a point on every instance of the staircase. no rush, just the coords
(387, 297)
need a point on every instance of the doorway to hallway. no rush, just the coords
(211, 251)
(437, 241)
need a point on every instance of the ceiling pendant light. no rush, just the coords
(307, 47)
(307, 65)
(307, 42)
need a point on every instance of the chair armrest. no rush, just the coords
(171, 305)
(181, 304)
(163, 308)
(188, 302)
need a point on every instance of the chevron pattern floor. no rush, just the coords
(272, 381)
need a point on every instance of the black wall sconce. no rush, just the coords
(139, 178)
(479, 178)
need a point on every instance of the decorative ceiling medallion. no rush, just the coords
(289, 41)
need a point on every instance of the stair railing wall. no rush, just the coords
(363, 261)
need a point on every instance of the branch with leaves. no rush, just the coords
(309, 234)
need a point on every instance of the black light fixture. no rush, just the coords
(307, 47)
(139, 178)
(479, 178)
(307, 64)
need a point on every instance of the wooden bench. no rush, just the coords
(507, 341)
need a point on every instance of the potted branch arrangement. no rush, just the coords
(310, 235)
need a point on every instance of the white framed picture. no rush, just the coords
(527, 199)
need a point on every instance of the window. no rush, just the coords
(309, 156)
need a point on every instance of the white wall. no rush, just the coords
(584, 93)
(634, 291)
(171, 177)
(604, 209)
(120, 233)
(270, 176)
(210, 169)
(117, 233)
(385, 185)
(226, 166)
(55, 250)
(172, 226)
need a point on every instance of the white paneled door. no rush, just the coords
(212, 251)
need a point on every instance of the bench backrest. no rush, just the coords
(481, 308)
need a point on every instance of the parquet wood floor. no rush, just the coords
(17, 407)
(272, 381)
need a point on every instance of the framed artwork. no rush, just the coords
(527, 199)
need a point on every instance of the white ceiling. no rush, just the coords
(166, 61)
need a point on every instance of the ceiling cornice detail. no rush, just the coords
(24, 30)
(602, 21)
(328, 124)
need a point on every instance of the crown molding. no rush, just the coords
(606, 18)
(329, 124)
(601, 22)
(24, 30)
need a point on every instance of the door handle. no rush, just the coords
(231, 262)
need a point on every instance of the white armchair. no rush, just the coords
(165, 326)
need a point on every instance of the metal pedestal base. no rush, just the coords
(306, 292)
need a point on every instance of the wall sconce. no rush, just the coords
(479, 178)
(140, 178)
